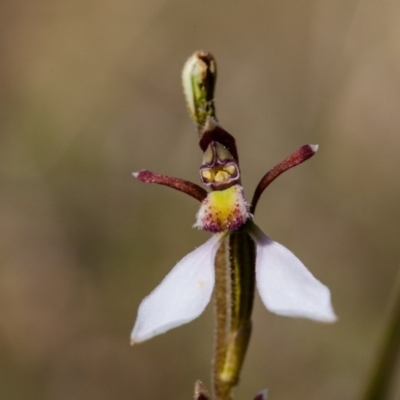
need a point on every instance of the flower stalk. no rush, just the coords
(234, 288)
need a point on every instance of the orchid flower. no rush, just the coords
(237, 257)
(285, 285)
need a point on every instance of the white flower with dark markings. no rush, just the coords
(285, 285)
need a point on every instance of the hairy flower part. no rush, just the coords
(223, 210)
(285, 285)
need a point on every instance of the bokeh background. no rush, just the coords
(90, 91)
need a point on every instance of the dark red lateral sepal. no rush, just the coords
(187, 187)
(299, 156)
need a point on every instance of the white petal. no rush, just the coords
(286, 286)
(181, 297)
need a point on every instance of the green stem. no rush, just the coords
(221, 315)
(234, 288)
(382, 375)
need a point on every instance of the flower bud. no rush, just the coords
(198, 78)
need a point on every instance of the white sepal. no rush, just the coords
(181, 297)
(285, 285)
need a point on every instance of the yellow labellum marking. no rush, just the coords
(230, 169)
(207, 174)
(223, 210)
(219, 174)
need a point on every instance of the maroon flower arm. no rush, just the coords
(296, 158)
(187, 187)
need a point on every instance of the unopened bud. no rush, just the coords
(198, 78)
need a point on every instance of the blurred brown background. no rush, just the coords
(90, 91)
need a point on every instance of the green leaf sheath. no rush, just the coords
(234, 295)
